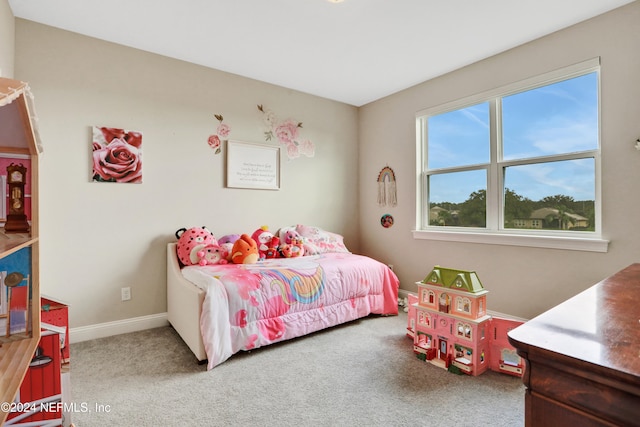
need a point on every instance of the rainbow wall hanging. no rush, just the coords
(387, 187)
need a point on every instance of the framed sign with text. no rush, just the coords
(254, 166)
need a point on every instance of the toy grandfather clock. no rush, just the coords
(16, 218)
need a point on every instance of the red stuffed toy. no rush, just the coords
(245, 250)
(273, 249)
(262, 236)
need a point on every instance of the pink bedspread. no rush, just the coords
(247, 306)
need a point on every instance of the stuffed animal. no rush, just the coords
(192, 241)
(226, 242)
(262, 236)
(213, 254)
(292, 246)
(245, 250)
(273, 249)
(293, 249)
(229, 238)
(290, 235)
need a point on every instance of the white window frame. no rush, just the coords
(495, 233)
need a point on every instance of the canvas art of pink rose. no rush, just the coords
(117, 155)
(118, 161)
(110, 134)
(130, 137)
(134, 138)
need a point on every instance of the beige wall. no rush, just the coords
(7, 39)
(521, 281)
(99, 237)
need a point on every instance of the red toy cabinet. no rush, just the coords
(41, 390)
(56, 313)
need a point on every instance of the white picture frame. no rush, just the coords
(254, 166)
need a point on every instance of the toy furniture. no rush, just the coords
(41, 389)
(222, 309)
(582, 361)
(451, 328)
(44, 392)
(19, 140)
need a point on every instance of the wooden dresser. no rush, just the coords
(583, 357)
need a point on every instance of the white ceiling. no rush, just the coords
(355, 52)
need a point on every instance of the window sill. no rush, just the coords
(589, 244)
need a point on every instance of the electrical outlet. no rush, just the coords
(126, 294)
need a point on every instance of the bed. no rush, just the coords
(220, 310)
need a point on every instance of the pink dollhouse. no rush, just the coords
(450, 327)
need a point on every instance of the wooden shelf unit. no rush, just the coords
(18, 135)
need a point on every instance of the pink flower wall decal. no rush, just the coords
(222, 134)
(287, 133)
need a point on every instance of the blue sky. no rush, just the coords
(555, 119)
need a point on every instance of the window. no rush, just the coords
(444, 303)
(463, 305)
(515, 165)
(424, 318)
(464, 330)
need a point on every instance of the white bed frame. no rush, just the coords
(184, 305)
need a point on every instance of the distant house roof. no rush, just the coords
(543, 213)
(460, 280)
(434, 212)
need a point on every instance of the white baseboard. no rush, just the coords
(101, 330)
(404, 293)
(506, 316)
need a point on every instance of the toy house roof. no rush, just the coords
(18, 128)
(460, 280)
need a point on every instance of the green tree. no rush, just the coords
(561, 217)
(563, 205)
(473, 212)
(558, 200)
(445, 218)
(515, 207)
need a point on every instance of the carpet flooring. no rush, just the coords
(363, 373)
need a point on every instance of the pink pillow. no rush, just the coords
(318, 241)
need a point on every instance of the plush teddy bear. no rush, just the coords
(262, 236)
(191, 242)
(245, 250)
